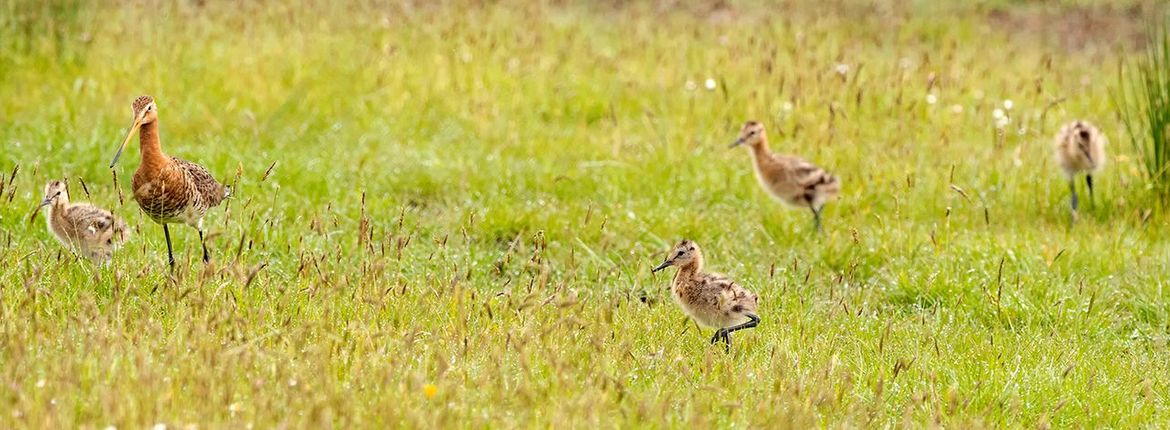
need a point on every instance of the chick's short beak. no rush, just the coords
(664, 265)
(736, 143)
(48, 200)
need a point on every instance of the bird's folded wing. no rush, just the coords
(205, 184)
(810, 176)
(90, 220)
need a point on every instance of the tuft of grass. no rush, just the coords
(1143, 103)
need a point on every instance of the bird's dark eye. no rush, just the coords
(680, 254)
(752, 133)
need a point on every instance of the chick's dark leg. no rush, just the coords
(724, 336)
(753, 321)
(816, 217)
(1089, 183)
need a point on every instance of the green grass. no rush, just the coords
(523, 166)
(1143, 100)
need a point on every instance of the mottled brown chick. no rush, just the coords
(84, 229)
(788, 178)
(1080, 148)
(710, 299)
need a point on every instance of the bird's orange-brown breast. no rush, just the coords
(162, 193)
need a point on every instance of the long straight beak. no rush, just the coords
(1088, 156)
(129, 134)
(736, 143)
(664, 265)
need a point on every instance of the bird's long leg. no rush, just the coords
(170, 251)
(206, 255)
(1089, 183)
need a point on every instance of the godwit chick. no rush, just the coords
(710, 299)
(1080, 148)
(83, 228)
(169, 189)
(788, 178)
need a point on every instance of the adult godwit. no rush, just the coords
(84, 229)
(711, 299)
(169, 189)
(788, 178)
(1080, 148)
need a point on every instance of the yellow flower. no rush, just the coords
(430, 390)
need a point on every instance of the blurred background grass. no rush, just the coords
(470, 195)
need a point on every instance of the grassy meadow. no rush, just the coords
(445, 214)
